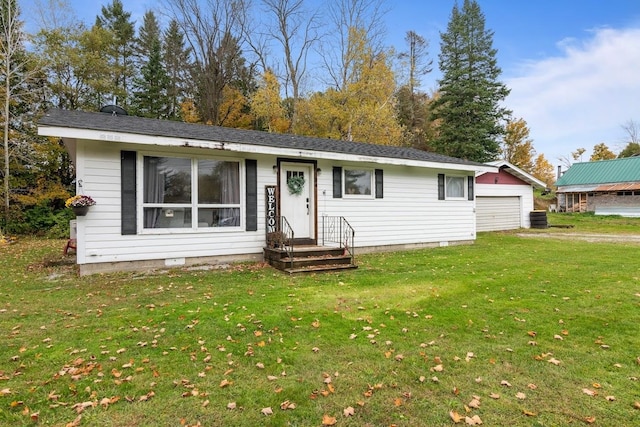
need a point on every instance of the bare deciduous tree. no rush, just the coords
(15, 71)
(212, 30)
(296, 30)
(346, 16)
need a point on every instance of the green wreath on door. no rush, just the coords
(296, 185)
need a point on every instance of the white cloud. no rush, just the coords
(581, 97)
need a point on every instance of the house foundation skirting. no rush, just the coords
(165, 264)
(409, 246)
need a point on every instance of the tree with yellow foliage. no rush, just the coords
(364, 110)
(517, 147)
(543, 170)
(601, 152)
(266, 105)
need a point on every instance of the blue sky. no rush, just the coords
(573, 66)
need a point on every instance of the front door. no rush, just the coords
(296, 198)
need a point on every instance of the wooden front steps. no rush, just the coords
(308, 259)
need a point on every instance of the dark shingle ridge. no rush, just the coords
(174, 129)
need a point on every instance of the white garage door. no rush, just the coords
(497, 213)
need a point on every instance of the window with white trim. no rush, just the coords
(181, 192)
(358, 182)
(454, 187)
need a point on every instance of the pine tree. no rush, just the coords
(120, 51)
(177, 64)
(469, 106)
(150, 94)
(150, 89)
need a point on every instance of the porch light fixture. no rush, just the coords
(275, 168)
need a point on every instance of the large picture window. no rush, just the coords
(190, 193)
(357, 182)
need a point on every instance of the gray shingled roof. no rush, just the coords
(153, 127)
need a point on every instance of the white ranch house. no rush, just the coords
(174, 194)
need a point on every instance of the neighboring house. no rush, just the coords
(504, 199)
(605, 187)
(175, 194)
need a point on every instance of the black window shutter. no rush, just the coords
(337, 182)
(470, 182)
(128, 214)
(379, 184)
(251, 168)
(440, 186)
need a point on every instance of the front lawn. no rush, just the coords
(511, 331)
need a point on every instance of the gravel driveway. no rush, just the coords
(587, 237)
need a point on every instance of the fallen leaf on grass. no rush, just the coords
(636, 405)
(267, 411)
(610, 398)
(79, 407)
(529, 413)
(475, 403)
(328, 420)
(554, 361)
(231, 406)
(74, 423)
(348, 411)
(521, 395)
(287, 405)
(455, 417)
(505, 383)
(494, 396)
(589, 392)
(590, 420)
(225, 383)
(473, 421)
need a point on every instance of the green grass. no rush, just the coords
(160, 346)
(590, 223)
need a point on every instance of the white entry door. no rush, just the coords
(296, 198)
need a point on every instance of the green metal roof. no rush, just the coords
(602, 172)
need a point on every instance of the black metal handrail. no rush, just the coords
(287, 233)
(336, 229)
(282, 237)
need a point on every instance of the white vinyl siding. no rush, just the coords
(98, 167)
(409, 214)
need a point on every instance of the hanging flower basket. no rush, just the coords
(80, 210)
(80, 204)
(296, 185)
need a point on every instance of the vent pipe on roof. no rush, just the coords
(114, 110)
(559, 172)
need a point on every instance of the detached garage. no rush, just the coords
(504, 199)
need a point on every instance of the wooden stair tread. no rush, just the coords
(319, 268)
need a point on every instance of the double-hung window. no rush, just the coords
(358, 182)
(455, 187)
(451, 187)
(181, 192)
